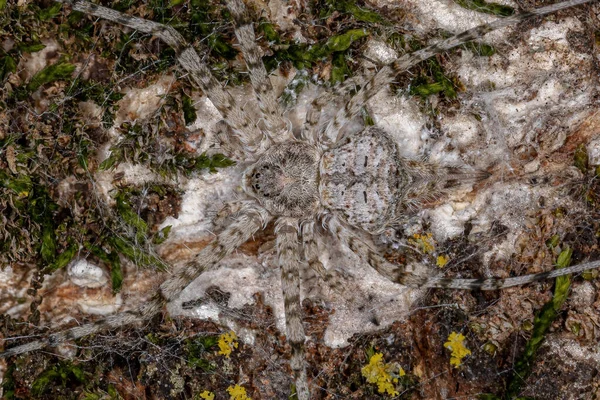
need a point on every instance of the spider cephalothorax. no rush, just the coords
(285, 180)
(355, 185)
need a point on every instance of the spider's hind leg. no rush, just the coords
(290, 264)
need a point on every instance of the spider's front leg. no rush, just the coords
(187, 57)
(290, 263)
(277, 127)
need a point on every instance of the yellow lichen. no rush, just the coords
(423, 242)
(455, 343)
(237, 392)
(227, 342)
(442, 260)
(378, 372)
(206, 395)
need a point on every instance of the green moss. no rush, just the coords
(113, 260)
(58, 374)
(162, 235)
(135, 253)
(130, 217)
(21, 185)
(41, 209)
(580, 158)
(432, 80)
(542, 322)
(487, 8)
(196, 350)
(189, 111)
(63, 259)
(344, 41)
(8, 383)
(351, 8)
(140, 144)
(268, 29)
(305, 56)
(7, 66)
(204, 13)
(480, 49)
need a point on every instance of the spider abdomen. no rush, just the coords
(361, 179)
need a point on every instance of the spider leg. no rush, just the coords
(233, 146)
(277, 128)
(286, 231)
(387, 74)
(250, 220)
(313, 131)
(399, 275)
(338, 283)
(332, 278)
(187, 57)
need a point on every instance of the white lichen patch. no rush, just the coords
(402, 119)
(447, 15)
(85, 274)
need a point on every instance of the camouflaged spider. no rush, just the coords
(354, 186)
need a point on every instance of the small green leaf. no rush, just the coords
(7, 65)
(189, 111)
(31, 47)
(54, 72)
(50, 12)
(344, 41)
(553, 241)
(63, 259)
(162, 235)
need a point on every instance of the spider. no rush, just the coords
(354, 185)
